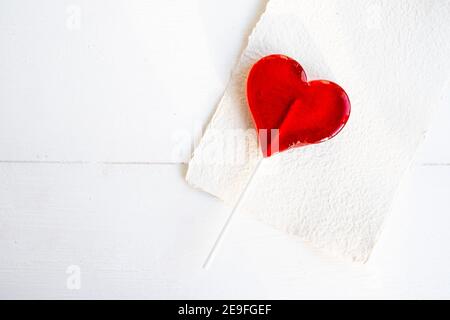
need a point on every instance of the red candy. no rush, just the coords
(304, 113)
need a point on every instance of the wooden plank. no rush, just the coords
(119, 224)
(114, 81)
(110, 81)
(138, 231)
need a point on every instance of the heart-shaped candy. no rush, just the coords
(289, 111)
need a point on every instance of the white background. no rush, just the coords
(100, 103)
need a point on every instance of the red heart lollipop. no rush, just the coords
(302, 112)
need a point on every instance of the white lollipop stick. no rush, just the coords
(274, 147)
(221, 235)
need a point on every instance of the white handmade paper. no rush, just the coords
(392, 58)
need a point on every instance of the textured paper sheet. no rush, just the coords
(392, 58)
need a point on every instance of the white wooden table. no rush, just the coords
(100, 102)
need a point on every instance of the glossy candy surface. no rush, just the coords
(301, 112)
